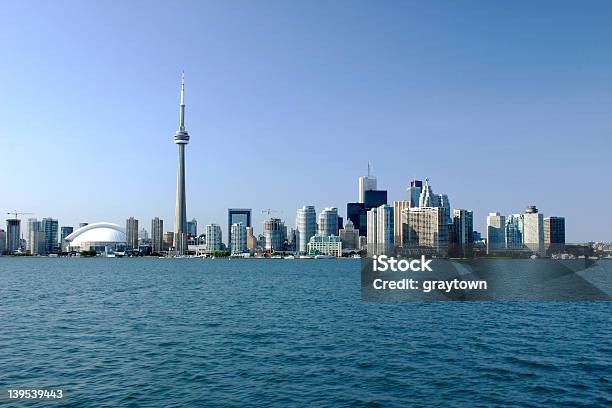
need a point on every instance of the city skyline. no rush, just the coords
(493, 138)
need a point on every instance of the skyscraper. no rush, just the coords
(398, 207)
(49, 227)
(213, 237)
(366, 183)
(375, 198)
(32, 225)
(131, 232)
(554, 231)
(357, 213)
(181, 138)
(239, 238)
(13, 234)
(328, 222)
(427, 197)
(385, 229)
(380, 237)
(235, 216)
(251, 239)
(372, 229)
(157, 234)
(533, 230)
(514, 231)
(496, 225)
(274, 233)
(306, 227)
(64, 232)
(425, 227)
(35, 240)
(463, 227)
(192, 228)
(414, 192)
(349, 236)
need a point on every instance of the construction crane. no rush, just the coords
(268, 211)
(18, 213)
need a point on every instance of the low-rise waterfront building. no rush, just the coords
(325, 245)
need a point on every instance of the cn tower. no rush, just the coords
(181, 138)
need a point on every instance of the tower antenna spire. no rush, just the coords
(182, 105)
(369, 168)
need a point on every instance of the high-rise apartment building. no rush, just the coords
(237, 216)
(50, 229)
(35, 237)
(157, 235)
(328, 222)
(274, 233)
(306, 227)
(372, 230)
(131, 232)
(514, 231)
(533, 230)
(426, 227)
(238, 232)
(32, 225)
(251, 239)
(385, 229)
(463, 227)
(496, 225)
(213, 237)
(398, 207)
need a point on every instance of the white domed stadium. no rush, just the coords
(99, 236)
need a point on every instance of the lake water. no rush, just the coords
(192, 332)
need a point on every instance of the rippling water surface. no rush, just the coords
(154, 332)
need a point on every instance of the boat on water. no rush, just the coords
(305, 257)
(324, 257)
(290, 257)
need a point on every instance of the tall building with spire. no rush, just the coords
(366, 183)
(181, 138)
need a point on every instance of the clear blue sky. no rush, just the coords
(500, 104)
